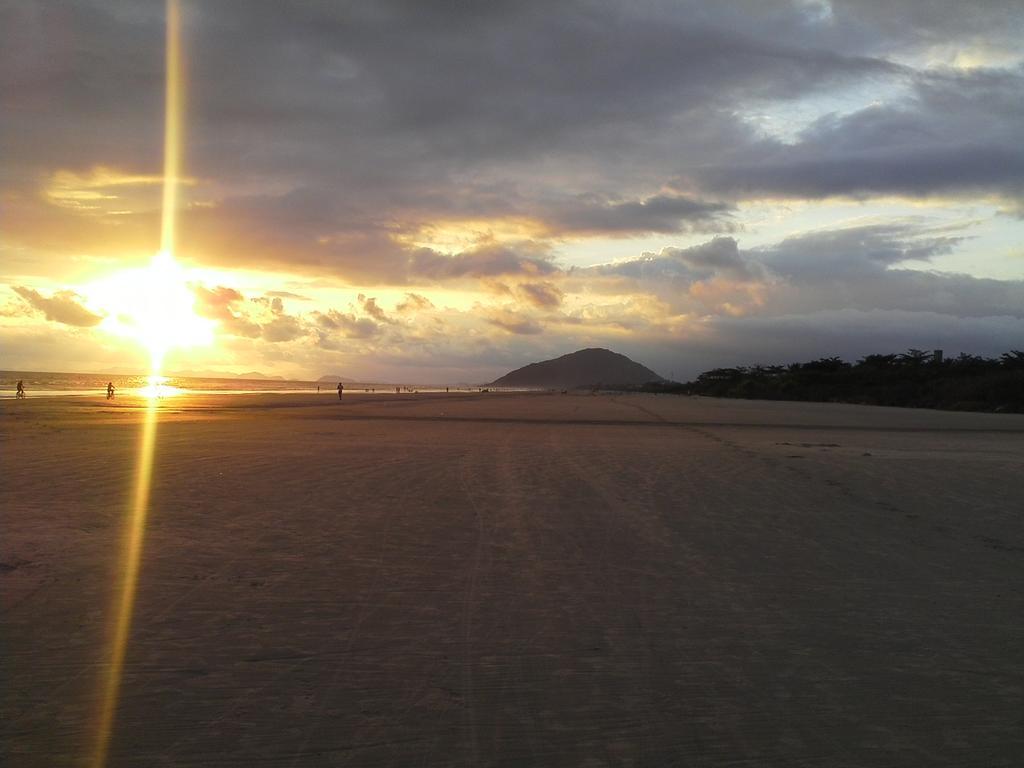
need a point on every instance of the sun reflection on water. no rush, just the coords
(157, 388)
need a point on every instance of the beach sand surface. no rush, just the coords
(486, 579)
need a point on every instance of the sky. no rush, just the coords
(441, 192)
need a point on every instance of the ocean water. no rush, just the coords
(42, 384)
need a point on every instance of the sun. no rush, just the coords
(168, 318)
(154, 306)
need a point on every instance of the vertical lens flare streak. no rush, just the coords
(172, 129)
(131, 558)
(172, 159)
(131, 555)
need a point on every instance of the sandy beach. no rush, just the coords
(516, 579)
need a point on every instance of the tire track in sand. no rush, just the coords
(472, 585)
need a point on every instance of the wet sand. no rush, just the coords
(489, 579)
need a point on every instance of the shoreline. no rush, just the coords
(528, 407)
(139, 393)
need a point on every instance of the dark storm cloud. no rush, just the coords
(659, 213)
(323, 129)
(328, 136)
(80, 85)
(958, 134)
(955, 295)
(851, 251)
(720, 256)
(318, 230)
(305, 226)
(62, 307)
(852, 333)
(859, 268)
(880, 25)
(459, 83)
(848, 333)
(919, 172)
(484, 261)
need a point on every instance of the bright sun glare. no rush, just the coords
(154, 306)
(168, 318)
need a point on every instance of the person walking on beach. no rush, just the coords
(341, 388)
(110, 390)
(21, 389)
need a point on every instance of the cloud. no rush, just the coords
(718, 257)
(721, 256)
(346, 324)
(273, 304)
(222, 304)
(371, 308)
(414, 302)
(485, 147)
(288, 295)
(100, 189)
(856, 250)
(851, 333)
(260, 317)
(283, 328)
(893, 23)
(490, 260)
(212, 302)
(659, 213)
(918, 172)
(542, 295)
(330, 132)
(862, 267)
(513, 322)
(61, 307)
(956, 134)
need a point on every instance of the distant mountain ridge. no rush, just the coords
(252, 375)
(258, 375)
(585, 367)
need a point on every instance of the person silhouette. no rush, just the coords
(21, 389)
(341, 388)
(110, 390)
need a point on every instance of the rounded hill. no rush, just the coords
(586, 367)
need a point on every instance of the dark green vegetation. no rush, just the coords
(914, 379)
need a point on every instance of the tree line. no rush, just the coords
(915, 379)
